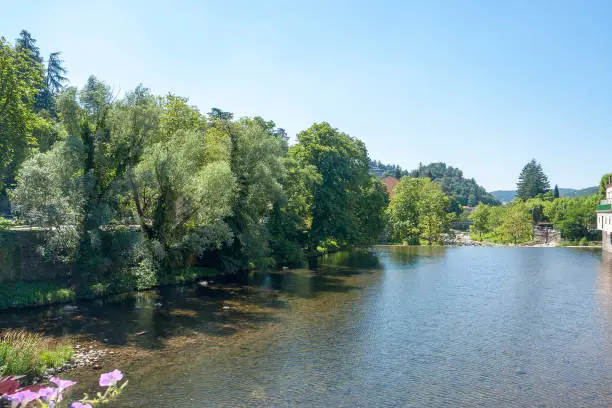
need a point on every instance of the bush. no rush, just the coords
(185, 275)
(25, 353)
(22, 294)
(6, 223)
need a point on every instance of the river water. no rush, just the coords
(398, 327)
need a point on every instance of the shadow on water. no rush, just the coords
(148, 319)
(410, 255)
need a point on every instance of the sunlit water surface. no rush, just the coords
(402, 327)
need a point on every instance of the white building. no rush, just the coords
(604, 218)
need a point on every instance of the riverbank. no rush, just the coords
(170, 322)
(14, 295)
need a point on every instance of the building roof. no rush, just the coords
(390, 182)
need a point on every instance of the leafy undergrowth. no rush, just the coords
(21, 294)
(29, 354)
(180, 276)
(42, 293)
(6, 223)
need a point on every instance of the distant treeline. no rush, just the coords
(465, 192)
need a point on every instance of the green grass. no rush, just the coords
(581, 242)
(22, 294)
(6, 223)
(25, 353)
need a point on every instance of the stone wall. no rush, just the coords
(20, 259)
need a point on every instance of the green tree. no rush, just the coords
(418, 210)
(532, 181)
(256, 162)
(341, 163)
(480, 220)
(605, 180)
(573, 217)
(52, 85)
(516, 226)
(556, 192)
(20, 78)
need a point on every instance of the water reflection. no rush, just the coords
(399, 326)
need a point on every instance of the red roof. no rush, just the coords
(390, 182)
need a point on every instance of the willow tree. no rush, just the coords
(183, 187)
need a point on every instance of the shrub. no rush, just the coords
(25, 353)
(21, 294)
(6, 223)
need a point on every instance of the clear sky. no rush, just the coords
(481, 85)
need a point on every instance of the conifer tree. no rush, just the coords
(532, 181)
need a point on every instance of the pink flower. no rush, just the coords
(48, 394)
(79, 405)
(62, 384)
(22, 398)
(110, 379)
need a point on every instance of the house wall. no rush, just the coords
(604, 221)
(606, 241)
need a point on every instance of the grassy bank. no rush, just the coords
(43, 293)
(22, 294)
(29, 354)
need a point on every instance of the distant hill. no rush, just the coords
(571, 192)
(463, 190)
(505, 196)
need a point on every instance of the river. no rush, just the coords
(398, 327)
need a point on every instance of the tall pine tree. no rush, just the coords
(556, 192)
(532, 181)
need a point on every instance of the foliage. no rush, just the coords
(465, 191)
(53, 396)
(6, 223)
(330, 205)
(480, 220)
(20, 78)
(418, 210)
(25, 353)
(575, 218)
(605, 180)
(515, 226)
(532, 181)
(20, 294)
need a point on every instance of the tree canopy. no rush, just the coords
(532, 181)
(418, 210)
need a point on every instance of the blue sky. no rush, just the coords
(481, 85)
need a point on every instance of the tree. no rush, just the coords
(532, 181)
(465, 191)
(556, 192)
(256, 162)
(605, 180)
(20, 78)
(418, 210)
(52, 85)
(480, 219)
(341, 164)
(516, 224)
(573, 217)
